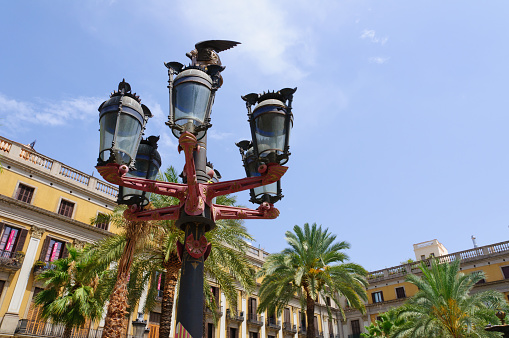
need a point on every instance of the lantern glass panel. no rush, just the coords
(108, 124)
(270, 129)
(191, 102)
(127, 136)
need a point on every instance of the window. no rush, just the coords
(423, 257)
(54, 251)
(154, 318)
(377, 297)
(24, 193)
(317, 332)
(400, 292)
(103, 221)
(302, 316)
(287, 315)
(12, 240)
(356, 326)
(482, 281)
(327, 301)
(66, 208)
(251, 310)
(505, 271)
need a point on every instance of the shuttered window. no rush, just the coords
(24, 193)
(66, 208)
(400, 292)
(11, 240)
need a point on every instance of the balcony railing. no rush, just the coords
(45, 329)
(466, 255)
(288, 327)
(354, 335)
(11, 260)
(40, 267)
(234, 315)
(254, 319)
(219, 311)
(303, 330)
(273, 323)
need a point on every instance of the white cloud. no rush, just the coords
(47, 113)
(370, 34)
(378, 60)
(272, 41)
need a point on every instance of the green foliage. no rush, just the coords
(314, 265)
(70, 295)
(444, 305)
(384, 326)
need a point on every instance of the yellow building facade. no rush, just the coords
(387, 287)
(44, 206)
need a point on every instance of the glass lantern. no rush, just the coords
(122, 120)
(191, 98)
(271, 121)
(148, 162)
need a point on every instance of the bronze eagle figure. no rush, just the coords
(205, 52)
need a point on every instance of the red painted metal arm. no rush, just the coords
(194, 200)
(115, 174)
(167, 213)
(272, 174)
(264, 211)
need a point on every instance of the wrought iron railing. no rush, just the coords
(273, 323)
(11, 260)
(303, 330)
(46, 329)
(234, 315)
(219, 311)
(288, 327)
(252, 318)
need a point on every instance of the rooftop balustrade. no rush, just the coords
(464, 256)
(13, 151)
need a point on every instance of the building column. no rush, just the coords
(11, 317)
(173, 311)
(280, 333)
(295, 322)
(325, 326)
(244, 323)
(263, 327)
(222, 322)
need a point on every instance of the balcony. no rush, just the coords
(40, 266)
(302, 330)
(44, 329)
(272, 323)
(289, 328)
(354, 335)
(253, 319)
(219, 311)
(234, 316)
(11, 261)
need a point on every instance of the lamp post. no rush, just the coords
(192, 90)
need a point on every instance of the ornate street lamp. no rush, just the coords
(148, 162)
(122, 121)
(139, 327)
(192, 90)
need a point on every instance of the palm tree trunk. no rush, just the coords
(310, 315)
(117, 308)
(172, 267)
(67, 331)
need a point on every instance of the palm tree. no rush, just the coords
(444, 305)
(70, 295)
(313, 266)
(128, 243)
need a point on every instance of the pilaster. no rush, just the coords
(11, 318)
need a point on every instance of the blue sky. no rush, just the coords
(401, 120)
